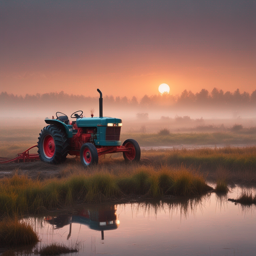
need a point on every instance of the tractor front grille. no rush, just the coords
(113, 133)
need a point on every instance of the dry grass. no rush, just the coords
(234, 165)
(234, 159)
(222, 161)
(194, 138)
(15, 233)
(55, 249)
(20, 194)
(14, 140)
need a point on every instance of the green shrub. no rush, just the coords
(164, 132)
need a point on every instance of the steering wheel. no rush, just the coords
(75, 115)
(60, 113)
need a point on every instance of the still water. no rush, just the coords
(204, 226)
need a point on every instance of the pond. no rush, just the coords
(210, 225)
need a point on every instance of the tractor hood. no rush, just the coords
(96, 121)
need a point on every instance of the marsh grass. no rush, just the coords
(15, 233)
(221, 187)
(20, 194)
(55, 249)
(230, 159)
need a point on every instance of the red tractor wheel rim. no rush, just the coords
(87, 156)
(131, 154)
(49, 146)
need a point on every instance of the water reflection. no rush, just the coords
(208, 225)
(96, 217)
(172, 205)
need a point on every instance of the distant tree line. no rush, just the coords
(214, 100)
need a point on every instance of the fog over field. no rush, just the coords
(188, 107)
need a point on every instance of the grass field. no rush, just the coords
(35, 188)
(228, 164)
(19, 194)
(174, 172)
(193, 138)
(232, 159)
(16, 140)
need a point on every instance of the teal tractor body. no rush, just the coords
(87, 137)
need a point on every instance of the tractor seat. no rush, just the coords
(64, 119)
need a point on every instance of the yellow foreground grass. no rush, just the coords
(19, 194)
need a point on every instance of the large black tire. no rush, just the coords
(88, 155)
(52, 145)
(134, 154)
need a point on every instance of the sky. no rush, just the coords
(127, 48)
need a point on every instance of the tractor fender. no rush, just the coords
(68, 129)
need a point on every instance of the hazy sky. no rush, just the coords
(126, 48)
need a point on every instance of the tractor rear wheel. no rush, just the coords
(52, 145)
(88, 154)
(134, 153)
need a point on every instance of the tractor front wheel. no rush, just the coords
(52, 145)
(88, 154)
(133, 155)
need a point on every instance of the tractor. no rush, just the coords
(87, 137)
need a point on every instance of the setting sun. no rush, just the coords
(164, 88)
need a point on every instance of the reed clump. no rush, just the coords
(21, 194)
(15, 233)
(221, 187)
(55, 249)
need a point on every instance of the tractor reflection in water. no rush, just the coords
(101, 218)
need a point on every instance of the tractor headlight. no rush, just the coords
(114, 124)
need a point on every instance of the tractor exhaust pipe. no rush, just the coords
(100, 103)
